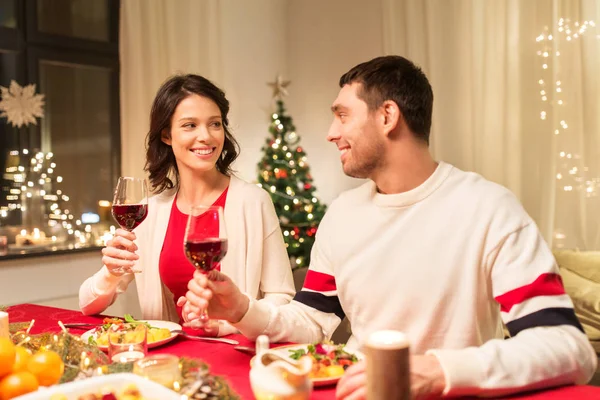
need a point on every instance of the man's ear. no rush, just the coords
(391, 116)
(165, 137)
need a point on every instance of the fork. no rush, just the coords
(204, 338)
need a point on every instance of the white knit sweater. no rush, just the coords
(446, 263)
(256, 260)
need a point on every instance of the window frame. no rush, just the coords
(32, 47)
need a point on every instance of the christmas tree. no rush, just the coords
(285, 174)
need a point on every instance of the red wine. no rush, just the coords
(205, 254)
(129, 216)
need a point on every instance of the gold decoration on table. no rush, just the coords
(83, 360)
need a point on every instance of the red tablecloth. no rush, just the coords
(232, 364)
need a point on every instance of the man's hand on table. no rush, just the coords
(426, 380)
(216, 294)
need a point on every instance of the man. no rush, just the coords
(425, 248)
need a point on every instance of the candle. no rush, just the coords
(3, 245)
(4, 324)
(388, 370)
(25, 239)
(160, 368)
(104, 210)
(128, 356)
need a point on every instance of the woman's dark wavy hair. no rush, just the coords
(160, 160)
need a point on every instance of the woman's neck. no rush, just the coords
(196, 189)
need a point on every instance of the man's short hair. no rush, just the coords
(398, 79)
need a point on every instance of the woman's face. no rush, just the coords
(197, 134)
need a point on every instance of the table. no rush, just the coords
(232, 364)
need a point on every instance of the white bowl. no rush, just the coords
(116, 382)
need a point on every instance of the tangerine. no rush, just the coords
(21, 360)
(16, 384)
(47, 366)
(7, 356)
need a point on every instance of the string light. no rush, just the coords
(589, 186)
(24, 186)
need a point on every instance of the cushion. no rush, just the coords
(580, 271)
(584, 263)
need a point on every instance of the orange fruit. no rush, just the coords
(16, 384)
(47, 366)
(7, 356)
(23, 356)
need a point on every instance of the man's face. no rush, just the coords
(355, 132)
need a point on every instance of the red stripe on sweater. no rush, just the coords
(544, 285)
(319, 281)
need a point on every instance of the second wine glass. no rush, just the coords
(130, 205)
(205, 240)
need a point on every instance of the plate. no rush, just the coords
(284, 352)
(73, 390)
(155, 323)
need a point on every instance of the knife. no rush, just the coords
(81, 325)
(245, 349)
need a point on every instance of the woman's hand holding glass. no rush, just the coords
(119, 254)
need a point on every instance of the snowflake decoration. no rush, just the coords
(20, 104)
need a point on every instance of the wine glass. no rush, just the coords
(130, 206)
(205, 240)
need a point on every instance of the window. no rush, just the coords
(69, 50)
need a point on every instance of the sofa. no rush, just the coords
(580, 272)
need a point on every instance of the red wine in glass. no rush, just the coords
(205, 255)
(130, 206)
(129, 216)
(205, 240)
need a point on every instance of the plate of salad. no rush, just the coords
(330, 361)
(159, 332)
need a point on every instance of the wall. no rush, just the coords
(55, 280)
(326, 39)
(253, 37)
(310, 42)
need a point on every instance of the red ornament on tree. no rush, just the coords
(299, 149)
(307, 186)
(296, 232)
(281, 174)
(311, 231)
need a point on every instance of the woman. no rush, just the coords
(189, 154)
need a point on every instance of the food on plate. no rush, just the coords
(130, 392)
(133, 328)
(329, 360)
